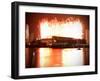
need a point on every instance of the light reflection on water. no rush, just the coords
(50, 57)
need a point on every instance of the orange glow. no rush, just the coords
(64, 29)
(48, 58)
(60, 57)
